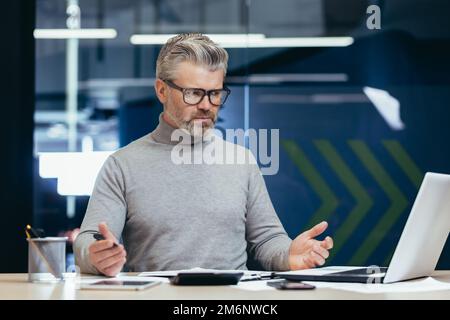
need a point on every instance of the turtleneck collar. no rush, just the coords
(163, 133)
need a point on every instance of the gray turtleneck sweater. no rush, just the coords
(179, 216)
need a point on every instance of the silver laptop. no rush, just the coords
(418, 250)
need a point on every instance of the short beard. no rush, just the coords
(194, 129)
(197, 130)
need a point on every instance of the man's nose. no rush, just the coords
(205, 104)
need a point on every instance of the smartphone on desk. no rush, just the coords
(290, 285)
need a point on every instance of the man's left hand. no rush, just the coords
(306, 252)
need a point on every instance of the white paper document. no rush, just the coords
(248, 274)
(260, 285)
(319, 271)
(419, 285)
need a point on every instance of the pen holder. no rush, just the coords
(46, 259)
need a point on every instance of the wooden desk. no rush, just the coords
(16, 286)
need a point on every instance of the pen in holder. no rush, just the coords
(46, 259)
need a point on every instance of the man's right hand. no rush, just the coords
(107, 258)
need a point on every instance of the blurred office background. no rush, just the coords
(363, 113)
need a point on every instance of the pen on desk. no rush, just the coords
(272, 275)
(261, 276)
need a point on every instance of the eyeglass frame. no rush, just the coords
(171, 84)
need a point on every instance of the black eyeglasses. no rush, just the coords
(193, 96)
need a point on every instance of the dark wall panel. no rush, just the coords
(16, 131)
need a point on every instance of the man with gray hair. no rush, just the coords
(172, 216)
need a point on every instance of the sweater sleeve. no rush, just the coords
(106, 204)
(267, 240)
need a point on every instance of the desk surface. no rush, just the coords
(16, 286)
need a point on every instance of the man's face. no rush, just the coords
(198, 118)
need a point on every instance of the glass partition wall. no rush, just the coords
(360, 107)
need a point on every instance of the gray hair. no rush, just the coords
(193, 47)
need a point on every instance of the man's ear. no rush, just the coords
(161, 91)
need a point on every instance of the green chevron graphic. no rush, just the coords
(409, 168)
(317, 183)
(388, 258)
(362, 198)
(397, 198)
(404, 161)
